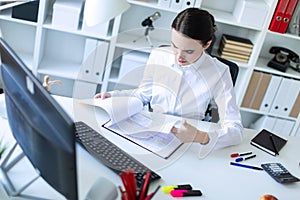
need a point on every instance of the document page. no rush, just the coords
(128, 119)
(139, 124)
(118, 108)
(151, 131)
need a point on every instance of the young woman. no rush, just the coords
(182, 80)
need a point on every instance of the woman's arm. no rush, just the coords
(188, 133)
(231, 131)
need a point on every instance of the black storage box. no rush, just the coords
(27, 11)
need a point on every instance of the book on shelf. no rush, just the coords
(234, 55)
(268, 142)
(234, 58)
(129, 119)
(235, 40)
(235, 48)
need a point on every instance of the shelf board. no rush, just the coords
(134, 41)
(266, 113)
(262, 66)
(48, 25)
(151, 4)
(285, 35)
(59, 68)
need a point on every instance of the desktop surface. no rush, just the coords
(213, 175)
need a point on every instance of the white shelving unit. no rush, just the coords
(59, 52)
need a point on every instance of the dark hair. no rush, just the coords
(195, 23)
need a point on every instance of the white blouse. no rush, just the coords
(187, 91)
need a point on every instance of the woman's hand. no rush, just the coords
(188, 133)
(102, 95)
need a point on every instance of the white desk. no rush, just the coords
(214, 176)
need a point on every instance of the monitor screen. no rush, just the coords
(40, 126)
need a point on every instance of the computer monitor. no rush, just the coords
(43, 130)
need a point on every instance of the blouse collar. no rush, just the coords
(194, 66)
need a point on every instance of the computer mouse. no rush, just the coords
(102, 189)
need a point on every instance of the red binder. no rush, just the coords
(287, 16)
(278, 15)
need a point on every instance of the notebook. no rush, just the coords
(268, 142)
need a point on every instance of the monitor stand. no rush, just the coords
(5, 166)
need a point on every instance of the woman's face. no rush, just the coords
(187, 50)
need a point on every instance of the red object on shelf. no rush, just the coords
(287, 16)
(278, 15)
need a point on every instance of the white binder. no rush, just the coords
(264, 122)
(283, 126)
(88, 59)
(176, 4)
(187, 4)
(285, 97)
(100, 61)
(164, 3)
(270, 93)
(94, 60)
(274, 125)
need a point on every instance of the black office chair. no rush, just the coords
(211, 113)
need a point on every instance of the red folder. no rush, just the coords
(278, 15)
(287, 16)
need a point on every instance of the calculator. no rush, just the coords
(279, 173)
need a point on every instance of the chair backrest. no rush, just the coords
(233, 68)
(211, 113)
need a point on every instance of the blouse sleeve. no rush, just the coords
(231, 131)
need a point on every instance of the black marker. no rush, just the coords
(241, 159)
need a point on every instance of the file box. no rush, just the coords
(251, 12)
(66, 14)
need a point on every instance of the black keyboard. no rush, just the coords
(109, 154)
